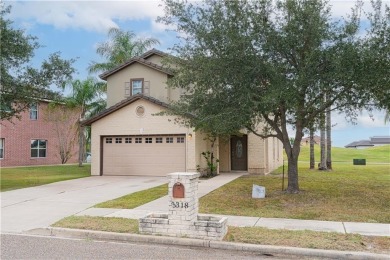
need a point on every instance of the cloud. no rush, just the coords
(96, 16)
(365, 119)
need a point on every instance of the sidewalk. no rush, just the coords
(206, 186)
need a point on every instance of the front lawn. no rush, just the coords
(348, 193)
(253, 235)
(135, 199)
(24, 177)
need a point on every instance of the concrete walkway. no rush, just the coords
(206, 186)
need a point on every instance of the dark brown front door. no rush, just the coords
(239, 153)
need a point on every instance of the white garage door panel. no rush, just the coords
(154, 159)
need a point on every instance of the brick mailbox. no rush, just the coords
(182, 219)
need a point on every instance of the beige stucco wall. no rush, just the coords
(116, 83)
(256, 155)
(201, 145)
(224, 155)
(125, 122)
(156, 59)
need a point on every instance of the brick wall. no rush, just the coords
(18, 135)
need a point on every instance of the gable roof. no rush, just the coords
(153, 52)
(142, 60)
(122, 104)
(380, 140)
(359, 143)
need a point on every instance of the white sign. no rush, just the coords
(258, 192)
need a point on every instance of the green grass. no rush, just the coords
(308, 239)
(348, 193)
(253, 235)
(377, 154)
(136, 199)
(120, 225)
(24, 177)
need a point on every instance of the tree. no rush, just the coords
(207, 119)
(312, 158)
(272, 61)
(20, 83)
(322, 165)
(86, 96)
(64, 121)
(328, 139)
(121, 46)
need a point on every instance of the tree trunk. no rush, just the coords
(322, 165)
(328, 140)
(292, 168)
(81, 145)
(312, 158)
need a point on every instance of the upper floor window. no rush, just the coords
(38, 148)
(137, 86)
(1, 148)
(34, 111)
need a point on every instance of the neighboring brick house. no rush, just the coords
(32, 140)
(129, 139)
(306, 140)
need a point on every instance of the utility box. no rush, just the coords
(258, 192)
(359, 161)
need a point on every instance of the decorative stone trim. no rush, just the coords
(182, 220)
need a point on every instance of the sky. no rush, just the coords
(75, 28)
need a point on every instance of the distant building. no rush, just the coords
(32, 140)
(374, 141)
(306, 140)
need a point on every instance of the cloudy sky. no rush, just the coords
(75, 27)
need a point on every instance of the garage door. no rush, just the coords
(143, 155)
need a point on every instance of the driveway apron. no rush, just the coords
(41, 206)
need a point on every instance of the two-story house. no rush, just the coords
(128, 138)
(34, 138)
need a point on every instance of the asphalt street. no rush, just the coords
(16, 246)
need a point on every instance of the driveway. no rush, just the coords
(41, 206)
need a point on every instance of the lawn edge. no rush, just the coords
(264, 249)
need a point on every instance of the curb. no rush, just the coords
(264, 249)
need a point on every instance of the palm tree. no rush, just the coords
(322, 165)
(312, 158)
(328, 140)
(87, 96)
(121, 46)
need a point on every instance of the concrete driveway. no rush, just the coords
(41, 206)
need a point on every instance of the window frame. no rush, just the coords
(131, 86)
(38, 149)
(34, 111)
(2, 149)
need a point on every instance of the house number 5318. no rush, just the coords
(179, 204)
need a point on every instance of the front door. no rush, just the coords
(239, 153)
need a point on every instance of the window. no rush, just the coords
(148, 140)
(180, 140)
(38, 148)
(138, 140)
(34, 111)
(158, 140)
(118, 140)
(108, 140)
(137, 86)
(169, 140)
(128, 140)
(1, 148)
